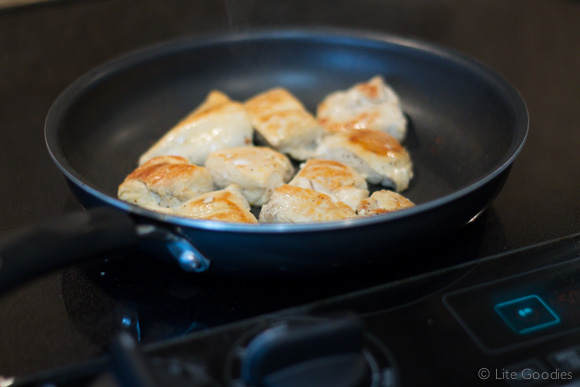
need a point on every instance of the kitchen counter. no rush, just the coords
(44, 47)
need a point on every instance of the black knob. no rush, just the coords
(327, 353)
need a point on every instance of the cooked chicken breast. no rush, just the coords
(164, 182)
(366, 105)
(332, 178)
(290, 204)
(218, 123)
(283, 123)
(377, 156)
(258, 171)
(382, 202)
(227, 205)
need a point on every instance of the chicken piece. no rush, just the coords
(283, 123)
(383, 202)
(367, 105)
(377, 156)
(290, 204)
(218, 123)
(164, 182)
(258, 171)
(335, 179)
(227, 205)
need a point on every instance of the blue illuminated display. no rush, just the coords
(527, 314)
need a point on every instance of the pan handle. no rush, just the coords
(74, 238)
(32, 251)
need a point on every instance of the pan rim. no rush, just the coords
(66, 99)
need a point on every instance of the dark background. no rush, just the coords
(43, 48)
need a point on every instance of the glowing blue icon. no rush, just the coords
(527, 314)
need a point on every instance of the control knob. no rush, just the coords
(327, 353)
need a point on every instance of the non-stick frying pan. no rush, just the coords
(466, 127)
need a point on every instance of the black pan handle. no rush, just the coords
(30, 252)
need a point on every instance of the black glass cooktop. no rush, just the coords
(69, 316)
(510, 319)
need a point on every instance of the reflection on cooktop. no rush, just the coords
(155, 300)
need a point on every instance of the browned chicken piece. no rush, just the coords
(366, 105)
(164, 182)
(218, 123)
(377, 156)
(227, 205)
(258, 171)
(283, 123)
(382, 202)
(334, 179)
(290, 204)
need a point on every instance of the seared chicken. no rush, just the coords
(258, 171)
(377, 156)
(382, 202)
(218, 123)
(227, 205)
(335, 179)
(354, 140)
(367, 105)
(290, 204)
(283, 123)
(164, 182)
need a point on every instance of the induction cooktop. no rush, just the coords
(511, 319)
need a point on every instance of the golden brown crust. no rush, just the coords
(361, 121)
(272, 101)
(323, 190)
(377, 156)
(369, 89)
(336, 179)
(163, 169)
(165, 181)
(332, 174)
(374, 141)
(366, 105)
(283, 122)
(383, 202)
(209, 108)
(227, 205)
(278, 110)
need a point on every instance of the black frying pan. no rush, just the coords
(467, 125)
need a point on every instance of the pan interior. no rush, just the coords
(461, 123)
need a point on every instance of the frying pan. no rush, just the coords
(466, 126)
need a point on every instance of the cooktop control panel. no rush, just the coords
(521, 309)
